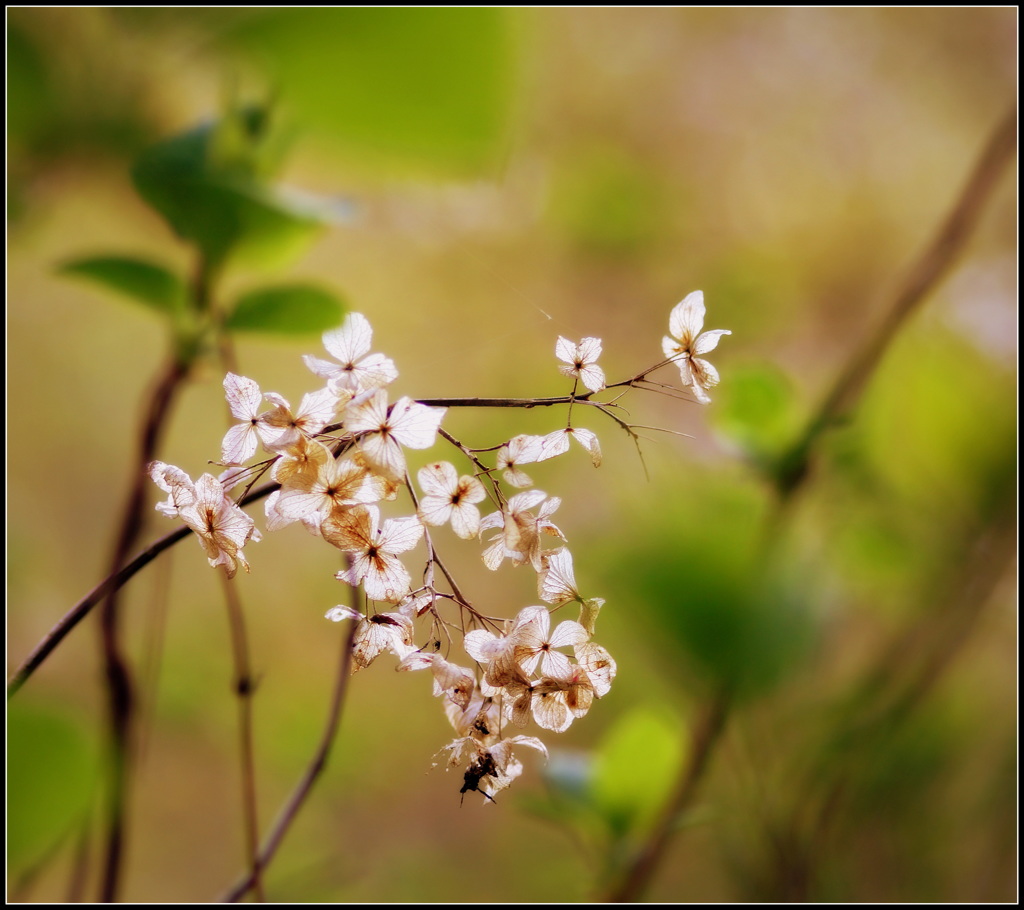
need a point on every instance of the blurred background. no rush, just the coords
(478, 182)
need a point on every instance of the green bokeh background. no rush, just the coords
(496, 178)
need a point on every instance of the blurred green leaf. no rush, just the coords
(207, 184)
(30, 93)
(954, 415)
(297, 309)
(141, 281)
(757, 408)
(635, 768)
(711, 605)
(51, 765)
(414, 85)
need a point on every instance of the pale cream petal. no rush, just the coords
(317, 410)
(521, 502)
(516, 478)
(415, 425)
(550, 710)
(372, 372)
(704, 373)
(483, 646)
(465, 519)
(243, 396)
(370, 415)
(589, 350)
(555, 664)
(557, 583)
(438, 479)
(384, 453)
(435, 510)
(565, 350)
(554, 444)
(324, 368)
(351, 341)
(588, 440)
(599, 666)
(386, 579)
(592, 376)
(687, 318)
(337, 614)
(568, 634)
(671, 348)
(400, 534)
(708, 341)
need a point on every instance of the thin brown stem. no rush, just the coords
(922, 278)
(314, 769)
(642, 866)
(244, 686)
(120, 694)
(118, 580)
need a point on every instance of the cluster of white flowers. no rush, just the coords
(341, 453)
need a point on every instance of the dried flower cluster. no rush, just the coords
(341, 454)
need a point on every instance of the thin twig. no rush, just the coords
(923, 277)
(80, 610)
(120, 694)
(244, 687)
(643, 864)
(313, 771)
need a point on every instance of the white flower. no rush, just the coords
(358, 370)
(581, 361)
(343, 482)
(283, 430)
(448, 497)
(520, 539)
(519, 450)
(688, 343)
(556, 584)
(455, 682)
(557, 443)
(408, 423)
(244, 398)
(532, 642)
(375, 561)
(221, 526)
(375, 634)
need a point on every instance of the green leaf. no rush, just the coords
(51, 766)
(297, 309)
(635, 768)
(138, 280)
(208, 184)
(758, 409)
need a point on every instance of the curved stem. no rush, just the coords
(643, 864)
(924, 275)
(121, 699)
(113, 582)
(313, 771)
(244, 687)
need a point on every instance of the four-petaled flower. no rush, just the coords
(688, 343)
(448, 497)
(221, 526)
(581, 361)
(375, 562)
(384, 431)
(375, 634)
(358, 370)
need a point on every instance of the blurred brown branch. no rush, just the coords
(924, 276)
